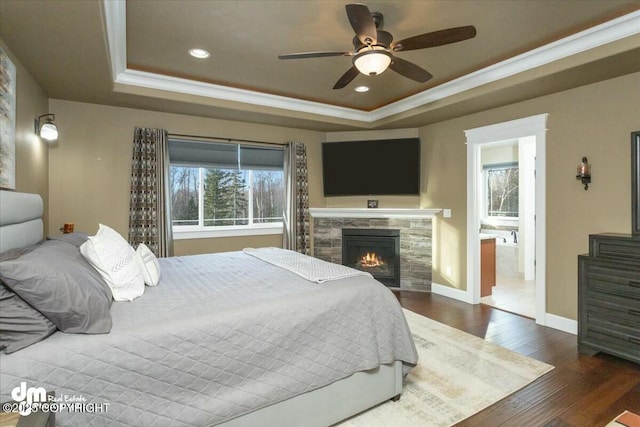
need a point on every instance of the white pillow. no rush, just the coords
(117, 263)
(150, 265)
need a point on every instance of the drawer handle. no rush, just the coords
(634, 283)
(634, 312)
(634, 340)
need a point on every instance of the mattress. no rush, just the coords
(220, 336)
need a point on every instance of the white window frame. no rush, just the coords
(200, 231)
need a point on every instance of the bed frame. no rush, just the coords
(21, 225)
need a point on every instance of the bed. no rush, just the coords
(224, 339)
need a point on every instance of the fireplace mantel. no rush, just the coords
(372, 213)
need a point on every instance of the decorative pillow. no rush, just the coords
(117, 263)
(76, 239)
(55, 280)
(150, 265)
(21, 324)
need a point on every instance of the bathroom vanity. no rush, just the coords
(487, 265)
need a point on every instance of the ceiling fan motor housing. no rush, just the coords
(384, 40)
(378, 19)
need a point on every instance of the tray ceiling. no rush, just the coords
(134, 54)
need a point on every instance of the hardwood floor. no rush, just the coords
(581, 391)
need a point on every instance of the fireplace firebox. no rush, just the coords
(376, 251)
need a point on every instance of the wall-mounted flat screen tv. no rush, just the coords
(376, 167)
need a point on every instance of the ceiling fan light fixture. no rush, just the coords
(372, 61)
(362, 89)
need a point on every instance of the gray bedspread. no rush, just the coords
(222, 335)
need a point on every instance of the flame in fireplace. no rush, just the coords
(371, 260)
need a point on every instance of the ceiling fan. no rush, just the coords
(374, 47)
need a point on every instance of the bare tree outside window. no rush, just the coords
(502, 192)
(268, 196)
(184, 195)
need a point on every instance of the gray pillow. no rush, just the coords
(76, 239)
(21, 325)
(56, 280)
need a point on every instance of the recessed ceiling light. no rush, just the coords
(199, 53)
(362, 89)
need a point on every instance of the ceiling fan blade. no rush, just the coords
(303, 55)
(346, 78)
(409, 70)
(362, 23)
(435, 38)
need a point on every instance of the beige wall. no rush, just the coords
(32, 154)
(593, 121)
(91, 165)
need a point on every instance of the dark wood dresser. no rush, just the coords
(609, 296)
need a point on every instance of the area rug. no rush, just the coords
(457, 376)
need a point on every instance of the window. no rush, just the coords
(225, 189)
(502, 190)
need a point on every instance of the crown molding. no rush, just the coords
(143, 79)
(115, 20)
(115, 23)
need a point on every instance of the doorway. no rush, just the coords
(507, 225)
(518, 227)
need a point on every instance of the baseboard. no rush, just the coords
(448, 291)
(551, 320)
(561, 323)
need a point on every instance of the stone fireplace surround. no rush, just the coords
(415, 227)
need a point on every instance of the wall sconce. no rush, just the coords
(584, 173)
(46, 128)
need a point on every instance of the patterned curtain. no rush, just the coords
(149, 212)
(296, 215)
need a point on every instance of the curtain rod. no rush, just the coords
(226, 139)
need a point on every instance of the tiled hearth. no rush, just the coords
(415, 227)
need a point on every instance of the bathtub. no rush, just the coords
(507, 252)
(507, 260)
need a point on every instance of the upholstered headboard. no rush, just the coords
(20, 219)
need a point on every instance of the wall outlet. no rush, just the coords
(447, 271)
(446, 213)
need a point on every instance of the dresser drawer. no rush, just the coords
(612, 245)
(613, 279)
(612, 338)
(616, 310)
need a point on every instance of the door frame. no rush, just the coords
(514, 129)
